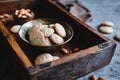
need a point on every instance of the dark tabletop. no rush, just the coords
(106, 10)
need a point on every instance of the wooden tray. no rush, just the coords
(95, 51)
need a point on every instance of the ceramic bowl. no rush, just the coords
(23, 33)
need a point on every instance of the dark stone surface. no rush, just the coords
(106, 10)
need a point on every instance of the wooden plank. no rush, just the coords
(15, 46)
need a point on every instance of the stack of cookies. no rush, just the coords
(47, 35)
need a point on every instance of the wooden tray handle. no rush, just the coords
(15, 46)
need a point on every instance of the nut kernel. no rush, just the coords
(106, 30)
(107, 23)
(76, 49)
(117, 36)
(65, 51)
(101, 78)
(93, 77)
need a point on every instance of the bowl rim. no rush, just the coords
(49, 19)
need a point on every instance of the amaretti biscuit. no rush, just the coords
(56, 39)
(43, 58)
(15, 28)
(60, 30)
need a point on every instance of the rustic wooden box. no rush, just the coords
(9, 6)
(95, 51)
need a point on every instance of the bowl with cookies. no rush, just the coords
(46, 34)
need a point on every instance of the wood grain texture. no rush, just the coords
(15, 46)
(9, 6)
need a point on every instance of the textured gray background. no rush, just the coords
(106, 10)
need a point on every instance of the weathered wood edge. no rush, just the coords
(102, 50)
(77, 20)
(36, 69)
(15, 46)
